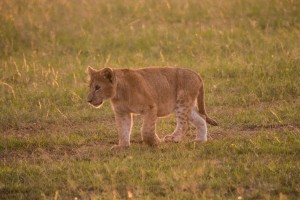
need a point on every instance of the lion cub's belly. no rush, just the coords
(164, 110)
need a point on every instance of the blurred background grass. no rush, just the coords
(247, 51)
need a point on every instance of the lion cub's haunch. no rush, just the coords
(151, 92)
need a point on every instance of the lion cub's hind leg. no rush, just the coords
(182, 111)
(200, 124)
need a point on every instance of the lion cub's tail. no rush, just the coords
(201, 107)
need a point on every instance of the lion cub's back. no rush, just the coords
(161, 80)
(157, 74)
(164, 79)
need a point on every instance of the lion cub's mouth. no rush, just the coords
(96, 104)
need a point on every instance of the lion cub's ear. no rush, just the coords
(108, 74)
(89, 70)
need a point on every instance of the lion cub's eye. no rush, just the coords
(97, 87)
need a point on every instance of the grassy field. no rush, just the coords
(53, 145)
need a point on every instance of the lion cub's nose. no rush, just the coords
(89, 100)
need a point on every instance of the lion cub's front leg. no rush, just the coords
(149, 135)
(124, 124)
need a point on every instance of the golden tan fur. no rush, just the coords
(151, 92)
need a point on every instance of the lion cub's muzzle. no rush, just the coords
(95, 104)
(92, 101)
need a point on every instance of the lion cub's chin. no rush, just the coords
(97, 105)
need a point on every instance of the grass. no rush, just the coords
(53, 145)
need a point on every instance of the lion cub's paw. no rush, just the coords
(158, 141)
(152, 142)
(119, 147)
(201, 138)
(171, 138)
(168, 138)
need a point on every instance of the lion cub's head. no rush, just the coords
(102, 85)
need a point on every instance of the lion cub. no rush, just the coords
(152, 92)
